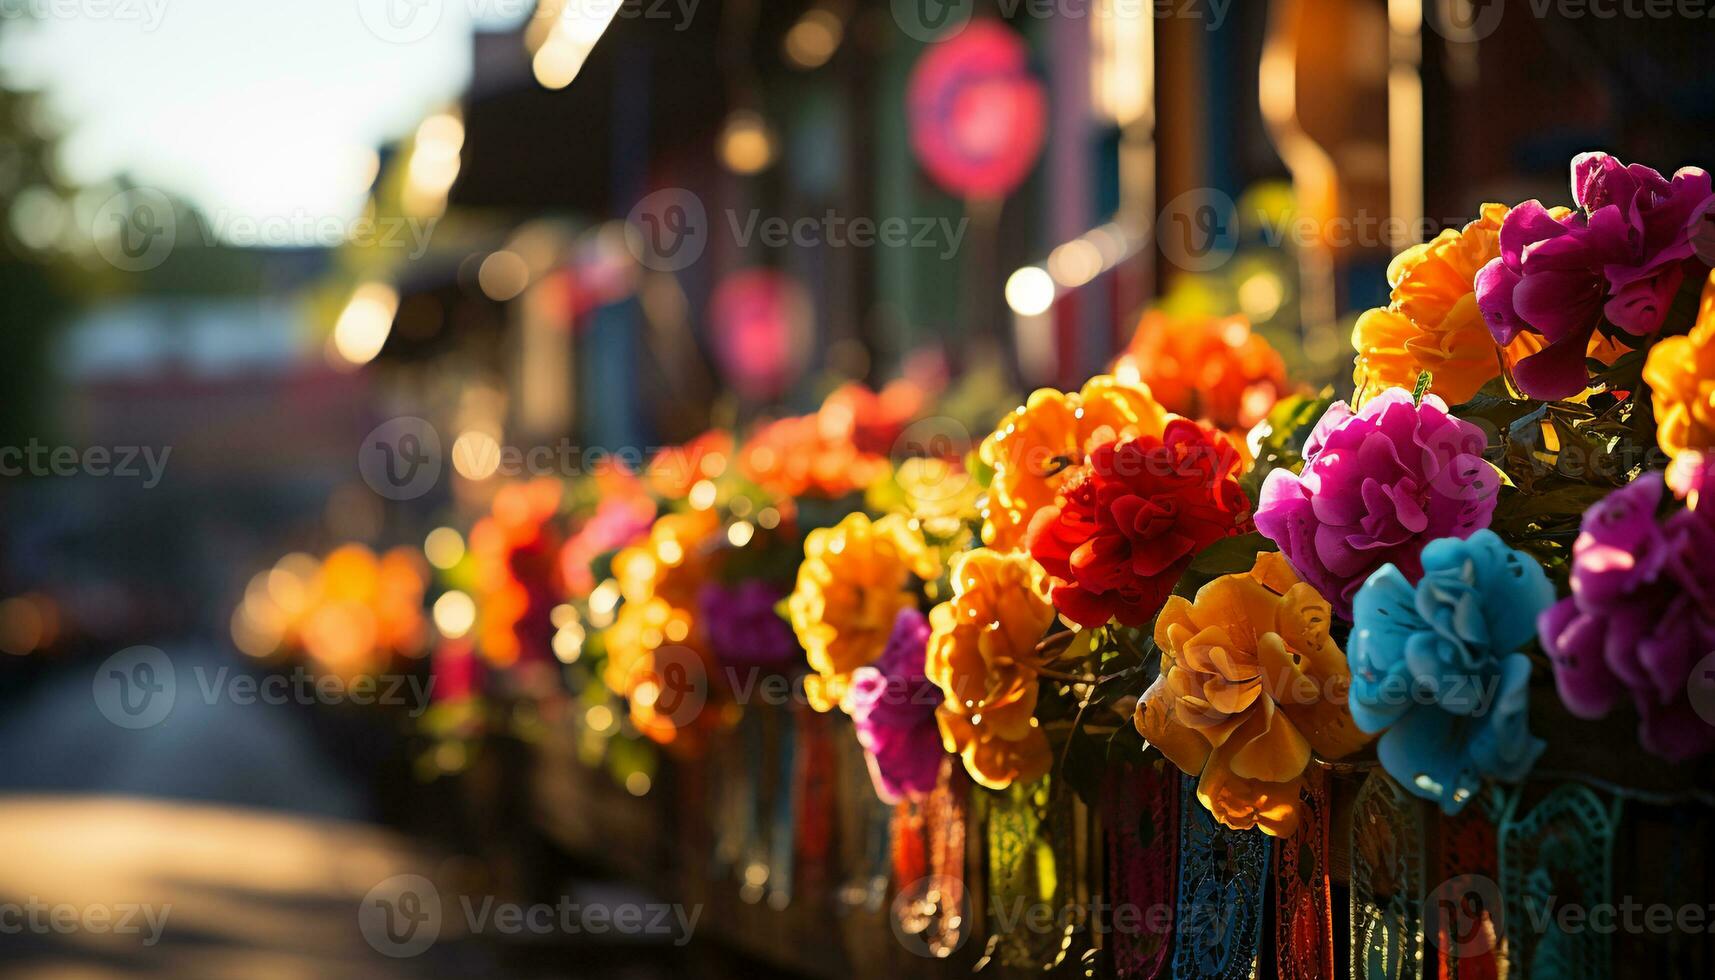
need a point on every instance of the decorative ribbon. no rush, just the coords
(789, 794)
(814, 789)
(947, 814)
(1223, 877)
(1304, 919)
(1140, 811)
(738, 759)
(910, 849)
(1465, 918)
(754, 857)
(1023, 872)
(1558, 854)
(1387, 884)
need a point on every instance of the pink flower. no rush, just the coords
(1641, 617)
(1622, 256)
(892, 706)
(1377, 486)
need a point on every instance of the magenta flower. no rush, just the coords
(892, 705)
(1377, 486)
(1622, 255)
(1641, 618)
(743, 628)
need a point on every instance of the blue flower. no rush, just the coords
(1436, 667)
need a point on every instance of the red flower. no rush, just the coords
(1127, 528)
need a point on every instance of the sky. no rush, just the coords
(251, 109)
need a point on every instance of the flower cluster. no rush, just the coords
(351, 613)
(1130, 522)
(855, 579)
(840, 449)
(1620, 257)
(982, 655)
(1041, 446)
(1214, 369)
(1641, 615)
(1250, 684)
(1124, 509)
(658, 633)
(1436, 667)
(892, 707)
(1432, 324)
(1378, 485)
(516, 553)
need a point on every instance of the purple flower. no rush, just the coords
(1623, 256)
(743, 628)
(892, 705)
(1377, 486)
(1640, 618)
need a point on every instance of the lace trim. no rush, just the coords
(1558, 854)
(1303, 919)
(1140, 811)
(1387, 883)
(1223, 875)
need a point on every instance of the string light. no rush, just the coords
(1030, 291)
(365, 323)
(454, 614)
(747, 144)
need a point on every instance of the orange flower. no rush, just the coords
(671, 563)
(675, 470)
(1250, 684)
(797, 457)
(1681, 375)
(982, 655)
(870, 420)
(1037, 448)
(352, 613)
(854, 580)
(515, 554)
(659, 663)
(1433, 324)
(840, 449)
(656, 652)
(1209, 368)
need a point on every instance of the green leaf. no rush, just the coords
(1281, 437)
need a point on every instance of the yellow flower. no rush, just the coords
(982, 655)
(1432, 323)
(1681, 375)
(936, 490)
(854, 580)
(672, 562)
(1035, 449)
(1250, 684)
(659, 578)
